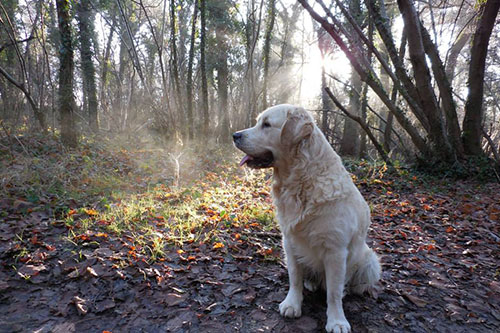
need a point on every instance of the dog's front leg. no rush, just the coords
(335, 271)
(292, 304)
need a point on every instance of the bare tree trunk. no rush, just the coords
(88, 70)
(423, 80)
(220, 9)
(271, 13)
(454, 53)
(252, 33)
(325, 104)
(189, 83)
(174, 64)
(8, 94)
(474, 105)
(446, 93)
(204, 83)
(106, 67)
(69, 135)
(350, 143)
(119, 95)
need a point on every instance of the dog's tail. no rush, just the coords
(368, 272)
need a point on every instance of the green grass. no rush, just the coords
(204, 211)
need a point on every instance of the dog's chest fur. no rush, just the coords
(307, 247)
(298, 225)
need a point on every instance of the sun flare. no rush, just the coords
(335, 64)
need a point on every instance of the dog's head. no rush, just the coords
(271, 141)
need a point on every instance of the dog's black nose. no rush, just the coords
(236, 136)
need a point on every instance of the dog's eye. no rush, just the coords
(266, 124)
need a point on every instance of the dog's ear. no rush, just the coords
(298, 126)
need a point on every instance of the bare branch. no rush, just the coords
(38, 114)
(369, 77)
(363, 125)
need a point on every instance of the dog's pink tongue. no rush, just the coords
(245, 159)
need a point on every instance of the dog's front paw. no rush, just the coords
(338, 326)
(291, 307)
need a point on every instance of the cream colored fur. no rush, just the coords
(323, 217)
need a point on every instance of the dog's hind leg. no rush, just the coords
(368, 272)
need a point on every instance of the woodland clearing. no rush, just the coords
(105, 238)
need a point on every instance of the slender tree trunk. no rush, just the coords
(88, 70)
(220, 10)
(119, 95)
(174, 64)
(362, 115)
(252, 34)
(105, 67)
(203, 70)
(394, 96)
(9, 94)
(189, 83)
(69, 135)
(472, 123)
(446, 93)
(455, 50)
(349, 145)
(267, 48)
(325, 103)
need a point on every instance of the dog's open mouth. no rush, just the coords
(257, 162)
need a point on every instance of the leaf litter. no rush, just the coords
(120, 245)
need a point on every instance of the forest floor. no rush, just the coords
(107, 238)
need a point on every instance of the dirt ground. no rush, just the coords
(439, 247)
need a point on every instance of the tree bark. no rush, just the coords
(8, 93)
(455, 50)
(69, 135)
(267, 48)
(394, 96)
(349, 144)
(474, 105)
(88, 70)
(106, 67)
(174, 65)
(203, 70)
(189, 83)
(423, 80)
(220, 10)
(446, 93)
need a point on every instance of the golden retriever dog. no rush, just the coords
(322, 216)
